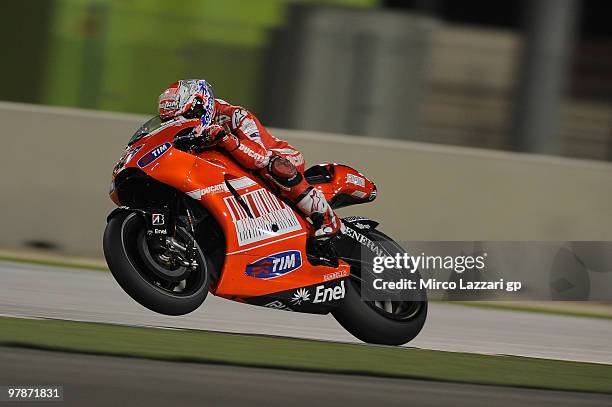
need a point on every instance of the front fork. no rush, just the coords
(162, 238)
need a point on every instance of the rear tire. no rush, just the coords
(122, 237)
(371, 325)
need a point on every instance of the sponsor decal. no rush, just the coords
(199, 193)
(335, 275)
(153, 155)
(259, 159)
(361, 225)
(352, 219)
(275, 265)
(125, 158)
(301, 295)
(277, 305)
(271, 217)
(237, 117)
(359, 194)
(355, 179)
(373, 195)
(322, 294)
(157, 219)
(169, 99)
(241, 183)
(237, 183)
(249, 127)
(373, 247)
(169, 104)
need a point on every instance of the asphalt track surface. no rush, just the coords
(38, 291)
(105, 381)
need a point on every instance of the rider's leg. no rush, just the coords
(309, 200)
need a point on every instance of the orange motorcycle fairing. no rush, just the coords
(263, 233)
(192, 221)
(265, 238)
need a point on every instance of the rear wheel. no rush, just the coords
(155, 280)
(389, 322)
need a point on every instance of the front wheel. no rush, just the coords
(154, 281)
(379, 322)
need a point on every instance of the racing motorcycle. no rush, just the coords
(191, 220)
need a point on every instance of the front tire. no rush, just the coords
(123, 249)
(379, 322)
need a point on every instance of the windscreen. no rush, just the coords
(149, 126)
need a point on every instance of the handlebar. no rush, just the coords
(187, 141)
(184, 139)
(191, 141)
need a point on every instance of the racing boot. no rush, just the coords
(313, 204)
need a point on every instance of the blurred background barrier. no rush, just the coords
(530, 76)
(57, 164)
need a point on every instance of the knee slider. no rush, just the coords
(283, 171)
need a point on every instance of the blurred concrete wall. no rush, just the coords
(56, 166)
(410, 77)
(471, 75)
(348, 70)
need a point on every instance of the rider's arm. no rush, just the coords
(244, 141)
(247, 152)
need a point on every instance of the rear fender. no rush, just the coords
(341, 185)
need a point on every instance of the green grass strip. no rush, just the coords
(304, 355)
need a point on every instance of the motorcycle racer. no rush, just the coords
(241, 134)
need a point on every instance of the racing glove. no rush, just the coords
(200, 137)
(213, 134)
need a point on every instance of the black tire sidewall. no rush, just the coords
(370, 326)
(134, 284)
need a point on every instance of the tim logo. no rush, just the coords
(157, 219)
(275, 265)
(153, 155)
